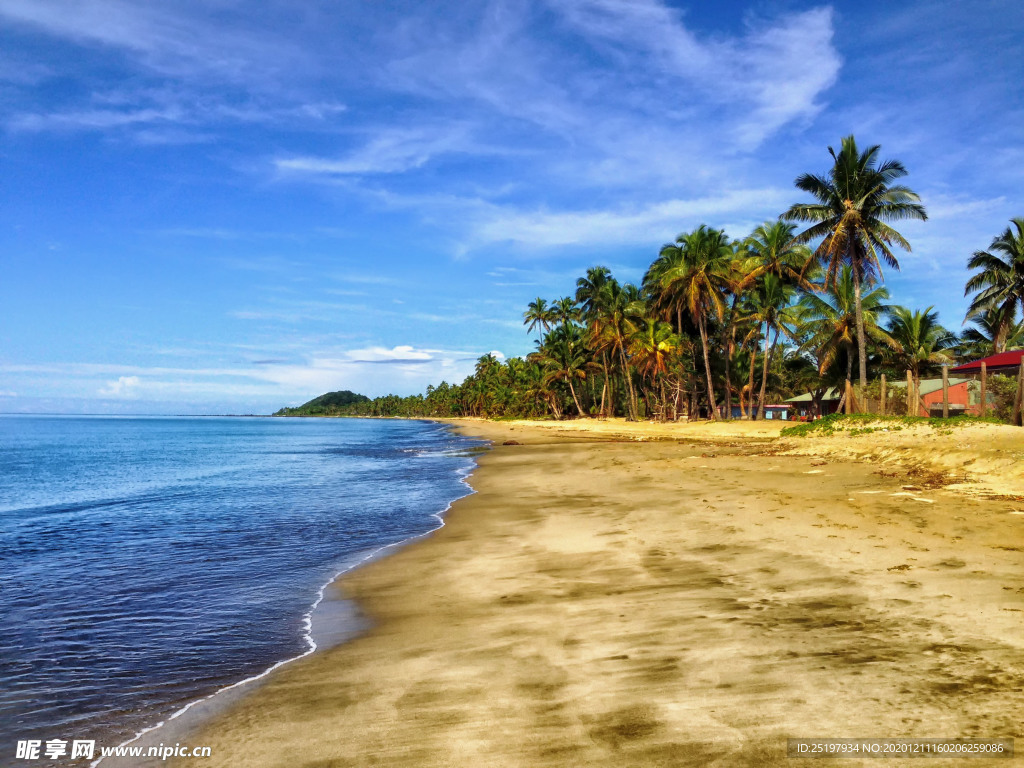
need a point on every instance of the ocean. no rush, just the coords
(146, 563)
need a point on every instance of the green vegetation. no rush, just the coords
(331, 404)
(866, 423)
(717, 320)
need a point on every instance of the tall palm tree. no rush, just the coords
(589, 290)
(741, 274)
(621, 308)
(999, 282)
(771, 307)
(920, 342)
(538, 315)
(854, 202)
(592, 297)
(662, 302)
(696, 279)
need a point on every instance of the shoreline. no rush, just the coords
(442, 638)
(185, 722)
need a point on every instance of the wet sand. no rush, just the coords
(603, 601)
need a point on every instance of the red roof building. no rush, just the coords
(1004, 362)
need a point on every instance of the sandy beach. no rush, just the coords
(673, 595)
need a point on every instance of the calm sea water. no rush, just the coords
(146, 562)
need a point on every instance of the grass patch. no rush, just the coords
(865, 423)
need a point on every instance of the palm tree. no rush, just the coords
(920, 342)
(830, 313)
(592, 295)
(564, 311)
(621, 306)
(854, 202)
(773, 244)
(991, 334)
(538, 315)
(651, 346)
(999, 282)
(696, 278)
(589, 290)
(772, 306)
(742, 271)
(564, 354)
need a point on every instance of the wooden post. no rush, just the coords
(945, 391)
(1019, 396)
(911, 411)
(849, 397)
(984, 394)
(881, 398)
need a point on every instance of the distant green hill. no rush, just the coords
(331, 404)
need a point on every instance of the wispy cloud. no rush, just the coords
(391, 150)
(184, 39)
(648, 224)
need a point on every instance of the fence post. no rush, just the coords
(984, 394)
(945, 391)
(881, 398)
(1019, 396)
(911, 411)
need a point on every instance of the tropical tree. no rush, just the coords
(538, 315)
(651, 347)
(565, 311)
(919, 342)
(564, 355)
(592, 293)
(621, 306)
(829, 314)
(695, 278)
(771, 307)
(999, 281)
(854, 202)
(774, 245)
(991, 334)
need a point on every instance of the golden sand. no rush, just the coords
(611, 597)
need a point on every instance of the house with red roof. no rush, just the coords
(1006, 363)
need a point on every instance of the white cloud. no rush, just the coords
(650, 224)
(173, 39)
(403, 353)
(123, 387)
(92, 119)
(389, 151)
(771, 76)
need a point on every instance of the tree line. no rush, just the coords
(798, 305)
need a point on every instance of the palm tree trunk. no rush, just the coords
(728, 378)
(604, 389)
(629, 384)
(764, 372)
(750, 382)
(730, 347)
(707, 367)
(575, 399)
(862, 346)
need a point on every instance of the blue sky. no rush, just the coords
(222, 206)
